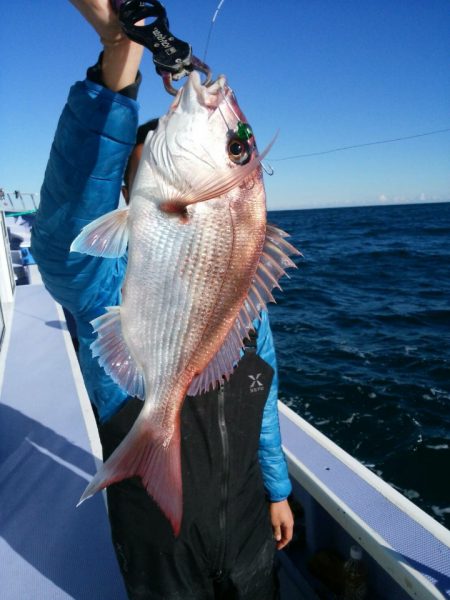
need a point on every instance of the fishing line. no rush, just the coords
(398, 139)
(265, 165)
(229, 105)
(223, 117)
(213, 20)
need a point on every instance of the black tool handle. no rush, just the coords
(169, 53)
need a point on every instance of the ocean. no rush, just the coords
(362, 332)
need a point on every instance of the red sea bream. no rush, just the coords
(201, 265)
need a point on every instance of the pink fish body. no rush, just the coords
(201, 265)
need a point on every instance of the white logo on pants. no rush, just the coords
(256, 385)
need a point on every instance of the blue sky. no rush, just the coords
(325, 73)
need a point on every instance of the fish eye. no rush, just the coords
(238, 151)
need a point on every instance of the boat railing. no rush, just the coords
(407, 552)
(17, 201)
(7, 281)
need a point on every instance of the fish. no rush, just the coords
(202, 263)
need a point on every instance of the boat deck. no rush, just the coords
(48, 548)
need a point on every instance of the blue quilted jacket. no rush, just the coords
(95, 135)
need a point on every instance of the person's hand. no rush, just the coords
(121, 56)
(100, 14)
(282, 522)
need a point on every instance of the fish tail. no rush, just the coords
(155, 458)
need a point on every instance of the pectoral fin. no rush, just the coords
(107, 236)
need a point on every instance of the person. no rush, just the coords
(235, 480)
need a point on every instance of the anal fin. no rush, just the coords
(114, 355)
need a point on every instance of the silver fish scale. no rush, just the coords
(174, 277)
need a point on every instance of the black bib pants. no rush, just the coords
(225, 549)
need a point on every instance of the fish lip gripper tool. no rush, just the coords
(172, 57)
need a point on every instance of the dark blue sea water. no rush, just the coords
(362, 332)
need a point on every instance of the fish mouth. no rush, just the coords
(194, 92)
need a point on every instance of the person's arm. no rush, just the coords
(95, 135)
(271, 456)
(121, 57)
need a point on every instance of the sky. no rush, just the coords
(324, 73)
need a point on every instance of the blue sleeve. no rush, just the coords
(271, 456)
(94, 137)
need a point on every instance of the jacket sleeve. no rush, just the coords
(94, 137)
(271, 456)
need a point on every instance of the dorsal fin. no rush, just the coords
(273, 262)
